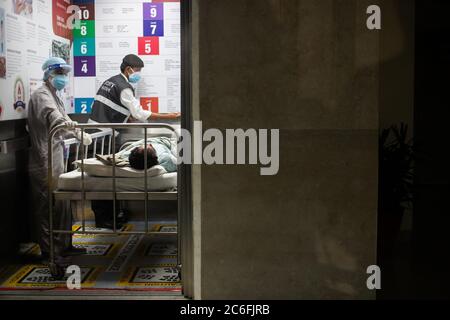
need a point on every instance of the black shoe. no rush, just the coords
(122, 217)
(73, 251)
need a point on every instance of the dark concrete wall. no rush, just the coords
(311, 69)
(14, 214)
(397, 41)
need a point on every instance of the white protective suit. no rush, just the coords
(45, 111)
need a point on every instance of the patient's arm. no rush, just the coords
(164, 116)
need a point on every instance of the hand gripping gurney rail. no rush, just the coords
(84, 193)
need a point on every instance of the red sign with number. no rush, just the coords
(151, 104)
(148, 46)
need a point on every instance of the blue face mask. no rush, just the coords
(135, 77)
(60, 81)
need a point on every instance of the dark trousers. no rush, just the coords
(104, 211)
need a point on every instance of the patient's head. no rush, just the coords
(136, 158)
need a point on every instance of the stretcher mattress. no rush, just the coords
(71, 181)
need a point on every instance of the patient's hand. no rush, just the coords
(166, 116)
(172, 115)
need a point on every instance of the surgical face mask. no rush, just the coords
(135, 77)
(60, 81)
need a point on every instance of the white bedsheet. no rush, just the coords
(96, 168)
(71, 181)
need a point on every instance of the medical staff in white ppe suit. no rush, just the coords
(45, 112)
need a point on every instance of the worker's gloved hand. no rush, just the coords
(71, 124)
(87, 139)
(175, 115)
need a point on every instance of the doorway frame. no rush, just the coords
(185, 204)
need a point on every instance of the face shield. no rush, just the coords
(58, 72)
(57, 69)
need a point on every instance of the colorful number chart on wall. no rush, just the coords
(84, 40)
(160, 44)
(84, 57)
(111, 29)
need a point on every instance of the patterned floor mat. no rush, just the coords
(126, 262)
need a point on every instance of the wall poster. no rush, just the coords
(33, 30)
(30, 32)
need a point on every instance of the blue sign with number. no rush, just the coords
(83, 105)
(153, 28)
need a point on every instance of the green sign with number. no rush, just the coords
(86, 30)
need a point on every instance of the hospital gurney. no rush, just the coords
(116, 192)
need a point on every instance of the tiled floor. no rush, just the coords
(139, 266)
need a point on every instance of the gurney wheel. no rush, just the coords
(56, 271)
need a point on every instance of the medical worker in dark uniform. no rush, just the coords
(116, 102)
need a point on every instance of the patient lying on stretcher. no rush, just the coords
(160, 151)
